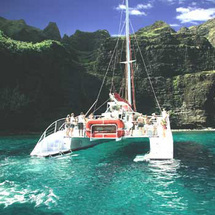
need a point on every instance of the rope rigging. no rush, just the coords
(112, 65)
(108, 68)
(146, 69)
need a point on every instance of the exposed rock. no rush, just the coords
(41, 82)
(184, 30)
(88, 41)
(52, 31)
(192, 99)
(206, 29)
(157, 28)
(19, 30)
(57, 76)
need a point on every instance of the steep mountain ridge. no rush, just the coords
(51, 78)
(87, 46)
(52, 32)
(155, 29)
(19, 30)
(39, 83)
(206, 29)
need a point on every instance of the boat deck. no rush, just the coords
(150, 132)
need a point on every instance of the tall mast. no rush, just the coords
(128, 58)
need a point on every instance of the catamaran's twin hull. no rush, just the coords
(79, 143)
(58, 143)
(160, 147)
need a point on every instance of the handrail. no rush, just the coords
(55, 129)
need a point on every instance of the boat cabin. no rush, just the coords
(117, 110)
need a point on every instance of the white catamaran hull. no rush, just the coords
(57, 143)
(161, 147)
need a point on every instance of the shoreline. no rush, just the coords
(191, 130)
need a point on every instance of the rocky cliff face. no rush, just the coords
(46, 80)
(39, 83)
(206, 29)
(176, 62)
(87, 46)
(158, 27)
(190, 98)
(193, 99)
(19, 30)
(52, 32)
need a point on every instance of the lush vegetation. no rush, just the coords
(44, 79)
(39, 83)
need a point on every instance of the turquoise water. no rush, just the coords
(106, 180)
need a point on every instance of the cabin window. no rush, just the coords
(104, 129)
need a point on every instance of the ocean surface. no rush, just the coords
(105, 179)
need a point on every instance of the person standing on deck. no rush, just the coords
(72, 123)
(132, 123)
(91, 116)
(165, 117)
(140, 123)
(153, 121)
(146, 126)
(164, 113)
(81, 121)
(67, 125)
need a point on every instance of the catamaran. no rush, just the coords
(118, 123)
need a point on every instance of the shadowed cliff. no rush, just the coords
(47, 77)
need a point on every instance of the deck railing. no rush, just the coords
(59, 125)
(53, 128)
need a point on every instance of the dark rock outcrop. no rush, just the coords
(158, 27)
(46, 80)
(52, 32)
(170, 57)
(87, 41)
(40, 82)
(193, 100)
(19, 30)
(190, 99)
(206, 29)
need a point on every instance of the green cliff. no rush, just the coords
(190, 98)
(206, 29)
(170, 56)
(43, 80)
(39, 83)
(19, 30)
